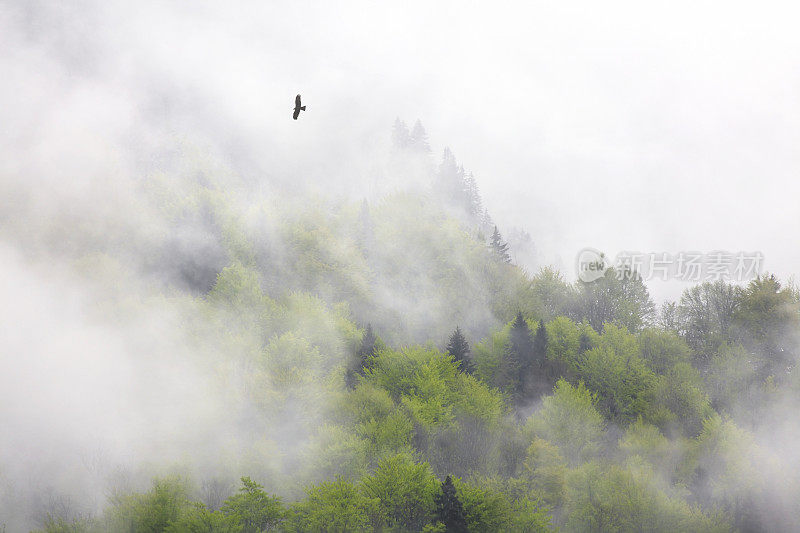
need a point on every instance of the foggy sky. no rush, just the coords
(621, 126)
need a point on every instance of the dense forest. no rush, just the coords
(384, 364)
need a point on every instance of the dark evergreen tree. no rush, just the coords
(367, 348)
(449, 509)
(543, 375)
(540, 345)
(459, 348)
(508, 372)
(350, 377)
(517, 365)
(585, 343)
(499, 247)
(361, 361)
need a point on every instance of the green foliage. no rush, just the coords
(555, 297)
(545, 470)
(706, 314)
(375, 417)
(253, 509)
(153, 511)
(429, 385)
(63, 525)
(731, 378)
(460, 284)
(237, 288)
(318, 256)
(274, 312)
(724, 461)
(492, 505)
(607, 497)
(624, 383)
(327, 327)
(484, 509)
(663, 349)
(529, 516)
(646, 441)
(619, 297)
(567, 344)
(769, 315)
(406, 491)
(564, 341)
(488, 355)
(681, 391)
(334, 451)
(335, 507)
(569, 419)
(473, 398)
(415, 414)
(291, 360)
(198, 519)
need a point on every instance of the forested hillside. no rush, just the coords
(382, 364)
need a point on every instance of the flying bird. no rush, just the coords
(297, 107)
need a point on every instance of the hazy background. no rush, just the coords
(621, 125)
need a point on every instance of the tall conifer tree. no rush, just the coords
(459, 348)
(449, 509)
(499, 247)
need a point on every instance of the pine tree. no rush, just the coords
(518, 360)
(401, 139)
(474, 202)
(459, 348)
(462, 177)
(367, 348)
(541, 371)
(448, 182)
(350, 377)
(585, 343)
(485, 221)
(419, 138)
(449, 509)
(463, 196)
(521, 342)
(499, 247)
(540, 345)
(361, 360)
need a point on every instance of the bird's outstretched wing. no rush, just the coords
(297, 101)
(296, 112)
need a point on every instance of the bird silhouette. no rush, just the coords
(297, 107)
